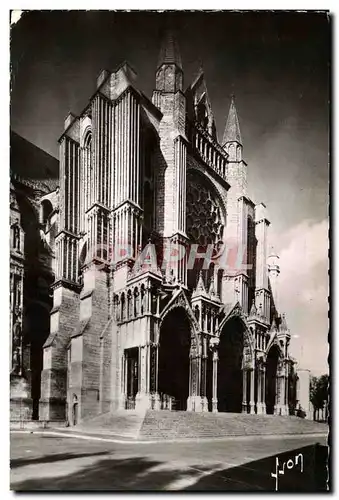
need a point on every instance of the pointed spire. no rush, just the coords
(260, 310)
(200, 289)
(283, 325)
(253, 311)
(200, 285)
(169, 52)
(232, 129)
(274, 325)
(213, 294)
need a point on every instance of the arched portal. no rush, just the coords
(271, 378)
(174, 361)
(230, 375)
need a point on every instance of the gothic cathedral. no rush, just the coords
(165, 295)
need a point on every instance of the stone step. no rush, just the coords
(165, 424)
(125, 423)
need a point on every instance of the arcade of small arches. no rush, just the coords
(135, 302)
(215, 366)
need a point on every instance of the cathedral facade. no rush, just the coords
(165, 295)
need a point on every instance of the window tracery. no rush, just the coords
(204, 213)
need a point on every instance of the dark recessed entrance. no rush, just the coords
(173, 368)
(271, 378)
(132, 376)
(230, 378)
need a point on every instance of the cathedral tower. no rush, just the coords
(169, 98)
(237, 167)
(240, 214)
(273, 273)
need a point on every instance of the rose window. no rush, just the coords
(204, 213)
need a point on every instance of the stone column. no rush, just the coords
(283, 398)
(155, 397)
(277, 396)
(204, 402)
(264, 390)
(123, 388)
(214, 343)
(215, 382)
(194, 398)
(286, 395)
(140, 402)
(252, 403)
(282, 395)
(143, 399)
(259, 391)
(244, 390)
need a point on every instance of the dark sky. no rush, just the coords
(276, 64)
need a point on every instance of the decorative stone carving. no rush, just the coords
(16, 335)
(181, 301)
(194, 347)
(153, 356)
(17, 361)
(204, 213)
(214, 343)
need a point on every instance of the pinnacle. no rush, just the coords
(200, 285)
(283, 325)
(169, 52)
(232, 129)
(274, 325)
(253, 311)
(200, 289)
(212, 291)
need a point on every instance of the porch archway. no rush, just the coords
(230, 366)
(271, 378)
(174, 360)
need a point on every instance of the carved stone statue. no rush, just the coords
(16, 335)
(16, 361)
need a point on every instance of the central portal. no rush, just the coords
(174, 361)
(271, 379)
(230, 378)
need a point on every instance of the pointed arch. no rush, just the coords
(273, 341)
(179, 300)
(237, 312)
(177, 342)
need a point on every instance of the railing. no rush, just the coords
(210, 151)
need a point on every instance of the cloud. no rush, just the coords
(303, 291)
(306, 246)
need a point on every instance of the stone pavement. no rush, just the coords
(50, 462)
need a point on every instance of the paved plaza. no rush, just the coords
(51, 462)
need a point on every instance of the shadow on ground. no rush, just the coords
(141, 474)
(256, 475)
(57, 457)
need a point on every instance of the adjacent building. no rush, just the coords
(33, 174)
